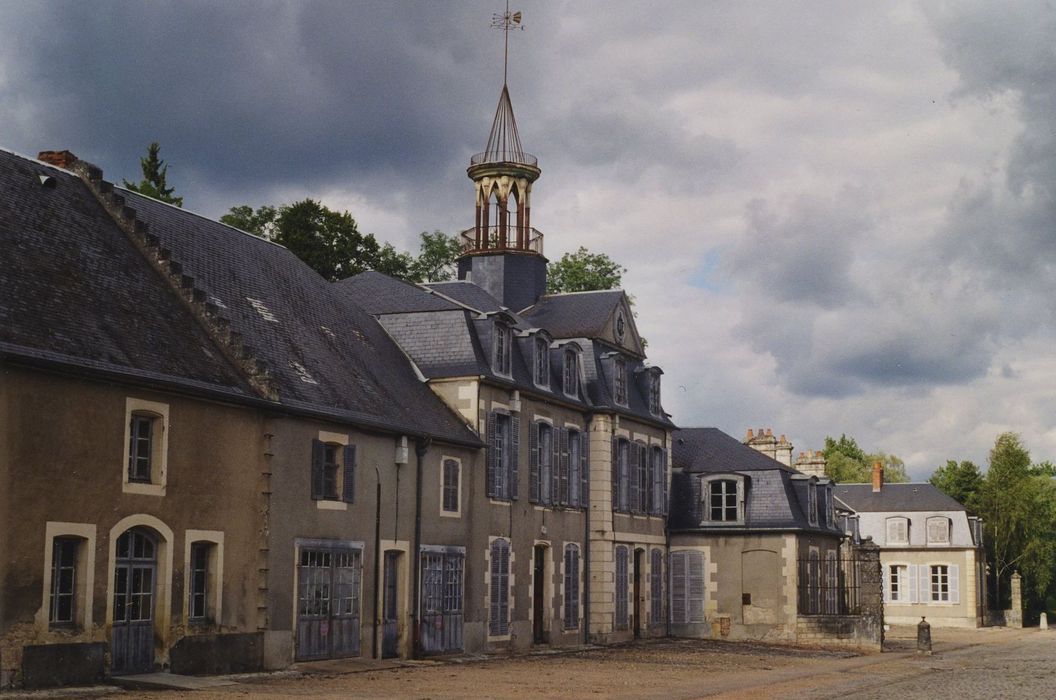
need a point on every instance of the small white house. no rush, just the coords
(931, 551)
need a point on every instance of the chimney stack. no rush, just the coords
(60, 159)
(878, 477)
(811, 462)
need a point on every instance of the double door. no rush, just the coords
(440, 630)
(132, 634)
(328, 603)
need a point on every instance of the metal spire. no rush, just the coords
(506, 22)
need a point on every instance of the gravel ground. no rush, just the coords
(989, 663)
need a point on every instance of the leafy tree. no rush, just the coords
(583, 271)
(847, 463)
(959, 480)
(327, 241)
(436, 257)
(153, 183)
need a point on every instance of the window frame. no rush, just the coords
(707, 493)
(619, 381)
(658, 478)
(213, 543)
(541, 373)
(812, 502)
(570, 603)
(945, 522)
(888, 522)
(446, 488)
(570, 373)
(499, 553)
(621, 616)
(84, 575)
(64, 557)
(898, 583)
(654, 393)
(938, 579)
(501, 362)
(342, 473)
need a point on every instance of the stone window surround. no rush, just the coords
(457, 513)
(887, 530)
(705, 493)
(84, 585)
(215, 586)
(159, 447)
(341, 439)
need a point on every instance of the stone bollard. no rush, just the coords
(924, 637)
(1044, 622)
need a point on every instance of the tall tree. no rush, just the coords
(260, 222)
(959, 480)
(154, 173)
(583, 271)
(847, 463)
(436, 257)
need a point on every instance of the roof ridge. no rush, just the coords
(218, 327)
(585, 291)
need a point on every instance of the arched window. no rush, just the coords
(571, 373)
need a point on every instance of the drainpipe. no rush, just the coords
(420, 447)
(377, 554)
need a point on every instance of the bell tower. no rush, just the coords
(502, 253)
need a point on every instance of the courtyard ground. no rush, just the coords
(986, 663)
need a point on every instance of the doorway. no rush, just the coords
(328, 603)
(539, 617)
(135, 571)
(390, 646)
(637, 592)
(440, 629)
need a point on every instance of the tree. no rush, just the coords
(153, 183)
(436, 257)
(847, 463)
(960, 481)
(260, 222)
(583, 271)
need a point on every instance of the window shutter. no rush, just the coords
(492, 459)
(910, 585)
(584, 467)
(561, 459)
(663, 481)
(678, 588)
(504, 593)
(885, 581)
(633, 476)
(615, 474)
(533, 463)
(696, 586)
(318, 455)
(348, 481)
(515, 452)
(955, 584)
(493, 591)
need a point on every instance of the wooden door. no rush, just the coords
(135, 570)
(539, 596)
(328, 603)
(440, 631)
(389, 608)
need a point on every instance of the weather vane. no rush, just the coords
(506, 22)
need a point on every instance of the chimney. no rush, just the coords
(811, 462)
(783, 451)
(60, 159)
(750, 435)
(878, 477)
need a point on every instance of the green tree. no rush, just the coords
(847, 463)
(327, 241)
(959, 480)
(583, 271)
(436, 257)
(154, 173)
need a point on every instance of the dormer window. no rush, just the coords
(723, 498)
(542, 362)
(619, 380)
(938, 530)
(654, 393)
(812, 503)
(897, 531)
(571, 373)
(501, 357)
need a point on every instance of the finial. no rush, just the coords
(506, 22)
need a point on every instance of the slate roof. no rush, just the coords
(377, 293)
(575, 315)
(469, 294)
(74, 292)
(895, 497)
(776, 494)
(78, 287)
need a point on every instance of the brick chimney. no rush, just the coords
(811, 462)
(878, 477)
(60, 159)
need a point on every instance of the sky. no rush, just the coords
(835, 217)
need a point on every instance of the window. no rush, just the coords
(897, 531)
(140, 447)
(542, 362)
(146, 442)
(501, 357)
(898, 583)
(642, 478)
(832, 582)
(450, 500)
(830, 513)
(722, 500)
(654, 393)
(622, 621)
(619, 381)
(571, 611)
(659, 482)
(333, 471)
(570, 384)
(62, 609)
(499, 614)
(812, 503)
(621, 487)
(656, 586)
(575, 469)
(541, 454)
(814, 582)
(198, 609)
(503, 442)
(940, 583)
(687, 587)
(938, 531)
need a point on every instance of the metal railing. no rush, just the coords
(498, 237)
(518, 157)
(830, 587)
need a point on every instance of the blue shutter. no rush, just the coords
(533, 462)
(615, 474)
(955, 584)
(492, 458)
(584, 469)
(695, 574)
(318, 455)
(678, 608)
(559, 478)
(348, 481)
(632, 477)
(515, 452)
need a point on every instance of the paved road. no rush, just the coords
(967, 664)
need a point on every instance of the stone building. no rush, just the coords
(757, 551)
(934, 562)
